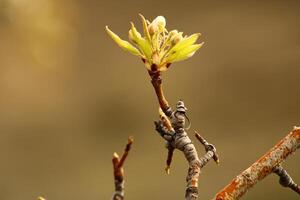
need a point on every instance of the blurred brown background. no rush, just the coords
(69, 97)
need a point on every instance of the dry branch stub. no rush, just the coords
(119, 171)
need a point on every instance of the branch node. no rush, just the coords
(285, 179)
(119, 171)
(208, 147)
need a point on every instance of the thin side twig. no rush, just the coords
(285, 179)
(119, 171)
(177, 138)
(208, 148)
(171, 128)
(261, 168)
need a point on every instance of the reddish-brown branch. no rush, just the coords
(157, 85)
(169, 159)
(119, 171)
(261, 168)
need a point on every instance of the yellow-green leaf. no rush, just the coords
(184, 53)
(143, 44)
(184, 43)
(145, 27)
(122, 43)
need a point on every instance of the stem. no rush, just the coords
(119, 171)
(157, 85)
(177, 138)
(261, 168)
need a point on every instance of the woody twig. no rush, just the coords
(285, 179)
(262, 167)
(172, 129)
(156, 81)
(119, 171)
(158, 49)
(211, 151)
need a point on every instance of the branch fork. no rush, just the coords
(172, 129)
(119, 171)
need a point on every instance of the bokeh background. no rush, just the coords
(69, 97)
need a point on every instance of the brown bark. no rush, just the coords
(119, 171)
(261, 168)
(157, 85)
(169, 159)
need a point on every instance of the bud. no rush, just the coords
(160, 21)
(152, 28)
(158, 24)
(115, 155)
(158, 47)
(172, 33)
(176, 38)
(167, 169)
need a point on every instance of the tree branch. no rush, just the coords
(157, 85)
(171, 128)
(177, 138)
(208, 147)
(285, 179)
(261, 168)
(119, 171)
